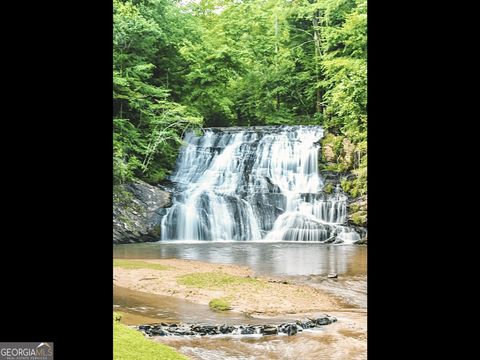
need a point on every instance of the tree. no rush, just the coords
(233, 62)
(147, 125)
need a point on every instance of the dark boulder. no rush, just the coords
(308, 324)
(269, 330)
(362, 241)
(248, 330)
(138, 209)
(158, 332)
(196, 328)
(289, 329)
(324, 320)
(224, 329)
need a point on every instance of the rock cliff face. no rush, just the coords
(137, 211)
(357, 211)
(341, 167)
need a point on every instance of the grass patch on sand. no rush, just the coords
(129, 344)
(138, 264)
(221, 304)
(211, 280)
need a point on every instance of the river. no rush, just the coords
(298, 262)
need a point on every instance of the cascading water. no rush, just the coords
(254, 184)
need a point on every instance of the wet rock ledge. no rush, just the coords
(138, 208)
(289, 329)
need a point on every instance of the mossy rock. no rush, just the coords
(328, 188)
(341, 153)
(355, 187)
(359, 218)
(359, 205)
(122, 196)
(220, 304)
(156, 230)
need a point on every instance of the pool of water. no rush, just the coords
(265, 258)
(144, 308)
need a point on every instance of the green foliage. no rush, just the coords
(147, 124)
(331, 147)
(213, 280)
(347, 185)
(220, 304)
(345, 67)
(357, 186)
(328, 188)
(130, 344)
(136, 264)
(339, 154)
(211, 69)
(359, 218)
(180, 65)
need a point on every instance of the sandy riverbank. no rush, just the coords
(265, 297)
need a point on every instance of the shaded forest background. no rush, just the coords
(180, 66)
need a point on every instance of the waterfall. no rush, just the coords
(257, 183)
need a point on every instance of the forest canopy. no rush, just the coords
(180, 65)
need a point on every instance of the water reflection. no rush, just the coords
(282, 258)
(143, 308)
